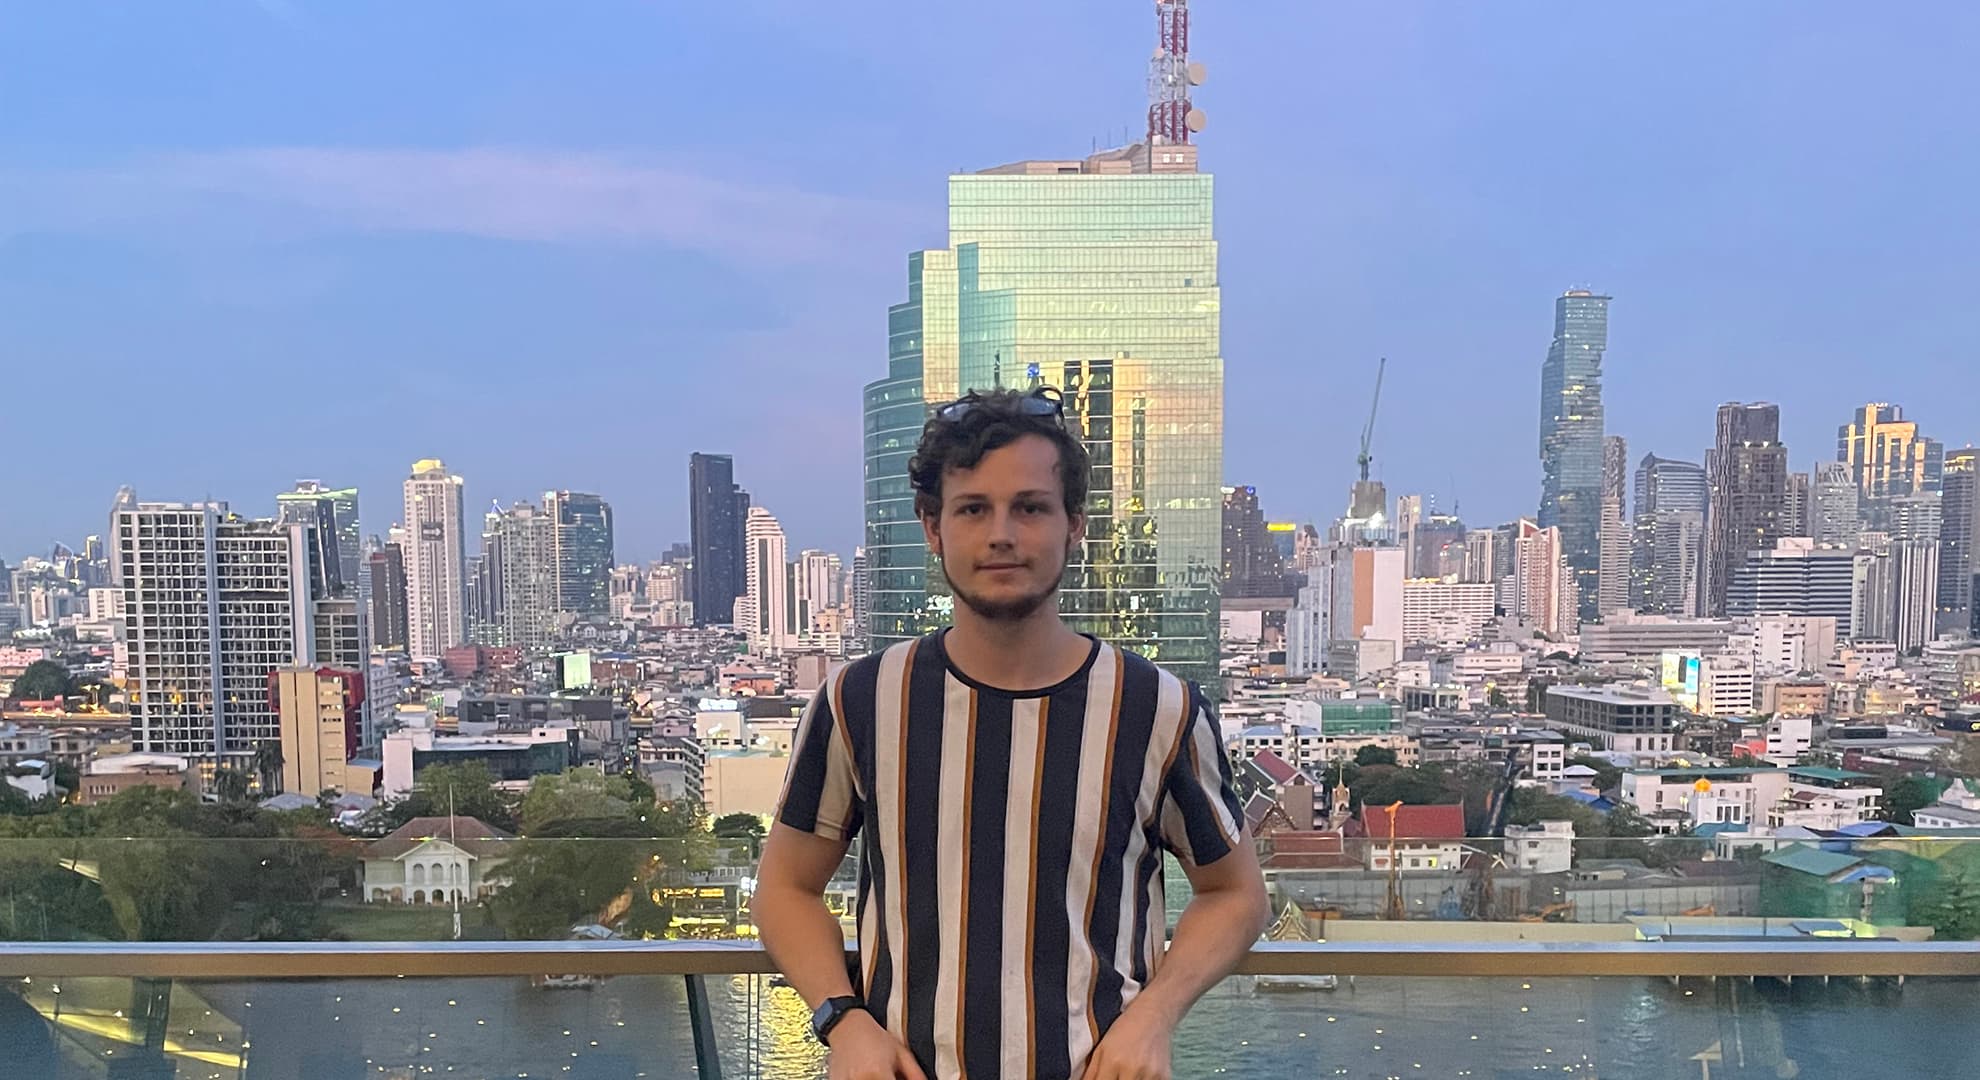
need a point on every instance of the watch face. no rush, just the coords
(821, 1014)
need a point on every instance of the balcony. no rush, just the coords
(1778, 974)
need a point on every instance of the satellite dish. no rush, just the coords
(1196, 73)
(1194, 120)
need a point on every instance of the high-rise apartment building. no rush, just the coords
(1897, 593)
(1409, 515)
(1365, 593)
(1667, 536)
(815, 587)
(334, 512)
(862, 585)
(1887, 457)
(1571, 437)
(1434, 610)
(1959, 528)
(317, 709)
(1748, 476)
(213, 603)
(1834, 516)
(435, 558)
(1306, 627)
(717, 512)
(1098, 277)
(1543, 587)
(1917, 516)
(582, 552)
(1252, 564)
(1796, 577)
(765, 611)
(1614, 579)
(1481, 560)
(520, 552)
(1439, 548)
(388, 597)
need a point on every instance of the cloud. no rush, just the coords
(538, 196)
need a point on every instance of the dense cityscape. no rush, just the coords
(1702, 696)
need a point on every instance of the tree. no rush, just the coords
(1531, 806)
(1607, 776)
(230, 785)
(577, 794)
(268, 765)
(1950, 905)
(471, 788)
(43, 680)
(1380, 786)
(1367, 755)
(1496, 698)
(166, 890)
(1905, 795)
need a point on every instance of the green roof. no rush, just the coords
(1808, 860)
(1823, 772)
(1708, 771)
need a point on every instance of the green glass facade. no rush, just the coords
(1105, 286)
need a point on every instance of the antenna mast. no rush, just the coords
(1171, 117)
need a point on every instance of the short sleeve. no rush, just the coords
(1200, 808)
(821, 789)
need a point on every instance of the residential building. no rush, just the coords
(1409, 515)
(1787, 644)
(388, 597)
(1544, 587)
(1679, 798)
(1306, 628)
(814, 588)
(1725, 686)
(1365, 593)
(1952, 670)
(1795, 576)
(862, 598)
(1796, 505)
(1958, 531)
(1437, 610)
(521, 546)
(319, 711)
(1614, 575)
(1132, 340)
(1627, 719)
(1481, 562)
(1793, 698)
(1253, 565)
(1897, 595)
(1571, 450)
(1545, 847)
(1748, 476)
(1918, 516)
(1833, 513)
(717, 510)
(435, 560)
(765, 611)
(581, 551)
(212, 603)
(1888, 458)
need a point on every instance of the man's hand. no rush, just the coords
(863, 1050)
(1136, 1047)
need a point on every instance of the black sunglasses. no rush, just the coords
(1042, 401)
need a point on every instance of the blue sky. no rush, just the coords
(563, 245)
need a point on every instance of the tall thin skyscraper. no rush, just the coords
(765, 611)
(862, 585)
(583, 552)
(1615, 567)
(1252, 563)
(1833, 514)
(717, 512)
(388, 597)
(1544, 586)
(1797, 503)
(815, 586)
(1888, 458)
(1098, 277)
(1667, 545)
(523, 557)
(1409, 517)
(1748, 474)
(1959, 527)
(1571, 437)
(436, 559)
(334, 511)
(1897, 598)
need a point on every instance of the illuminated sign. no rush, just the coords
(714, 704)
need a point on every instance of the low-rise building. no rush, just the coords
(1423, 838)
(435, 860)
(112, 774)
(1545, 847)
(513, 757)
(1627, 719)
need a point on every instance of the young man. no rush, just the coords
(1014, 785)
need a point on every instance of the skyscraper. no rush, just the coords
(1748, 475)
(1797, 504)
(1888, 458)
(862, 585)
(334, 511)
(1667, 543)
(435, 560)
(1543, 585)
(1833, 516)
(1897, 593)
(765, 611)
(1795, 577)
(213, 603)
(1252, 563)
(1615, 538)
(1958, 529)
(815, 586)
(388, 597)
(582, 552)
(524, 558)
(1098, 277)
(717, 509)
(1409, 516)
(1571, 437)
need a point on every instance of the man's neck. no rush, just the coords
(1037, 651)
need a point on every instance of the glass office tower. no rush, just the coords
(1098, 277)
(1571, 437)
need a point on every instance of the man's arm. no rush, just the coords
(806, 944)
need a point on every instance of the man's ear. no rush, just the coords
(930, 531)
(1078, 531)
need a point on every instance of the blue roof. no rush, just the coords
(1593, 802)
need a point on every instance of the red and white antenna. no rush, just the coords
(1171, 117)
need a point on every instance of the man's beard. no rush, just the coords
(1014, 609)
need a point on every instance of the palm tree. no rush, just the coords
(268, 765)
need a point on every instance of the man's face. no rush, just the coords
(1004, 535)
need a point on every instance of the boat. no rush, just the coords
(567, 982)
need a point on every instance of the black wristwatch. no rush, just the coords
(828, 1015)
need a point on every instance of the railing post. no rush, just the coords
(707, 1056)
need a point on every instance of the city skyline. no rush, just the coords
(257, 228)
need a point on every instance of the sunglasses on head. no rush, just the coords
(1042, 401)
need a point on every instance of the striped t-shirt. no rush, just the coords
(1010, 878)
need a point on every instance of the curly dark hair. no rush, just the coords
(958, 436)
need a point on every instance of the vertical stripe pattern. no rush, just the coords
(1011, 845)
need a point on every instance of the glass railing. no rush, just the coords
(586, 957)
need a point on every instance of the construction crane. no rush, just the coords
(1368, 431)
